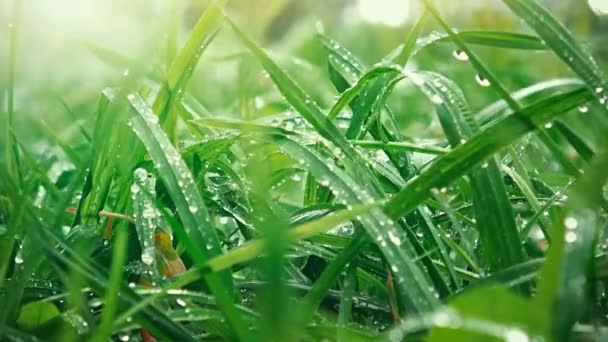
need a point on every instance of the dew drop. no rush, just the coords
(548, 125)
(135, 188)
(571, 223)
(149, 213)
(583, 109)
(193, 209)
(484, 82)
(394, 238)
(570, 237)
(516, 335)
(147, 256)
(18, 258)
(460, 55)
(436, 99)
(140, 173)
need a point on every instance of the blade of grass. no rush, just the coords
(564, 276)
(558, 39)
(183, 65)
(463, 158)
(498, 233)
(485, 73)
(104, 330)
(202, 241)
(499, 39)
(11, 156)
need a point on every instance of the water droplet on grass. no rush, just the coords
(140, 173)
(484, 82)
(135, 188)
(516, 335)
(571, 223)
(436, 99)
(394, 238)
(147, 256)
(460, 55)
(570, 237)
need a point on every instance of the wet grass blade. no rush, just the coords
(201, 241)
(408, 48)
(480, 147)
(531, 198)
(559, 39)
(564, 278)
(499, 39)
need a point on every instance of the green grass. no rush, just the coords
(305, 202)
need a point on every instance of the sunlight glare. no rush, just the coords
(385, 12)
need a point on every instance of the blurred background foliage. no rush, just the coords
(70, 49)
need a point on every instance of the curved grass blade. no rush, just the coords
(369, 103)
(558, 39)
(202, 241)
(490, 112)
(351, 93)
(497, 86)
(302, 103)
(397, 181)
(463, 158)
(498, 233)
(500, 39)
(400, 146)
(393, 243)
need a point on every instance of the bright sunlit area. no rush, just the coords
(386, 12)
(304, 170)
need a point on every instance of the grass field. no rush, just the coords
(298, 171)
